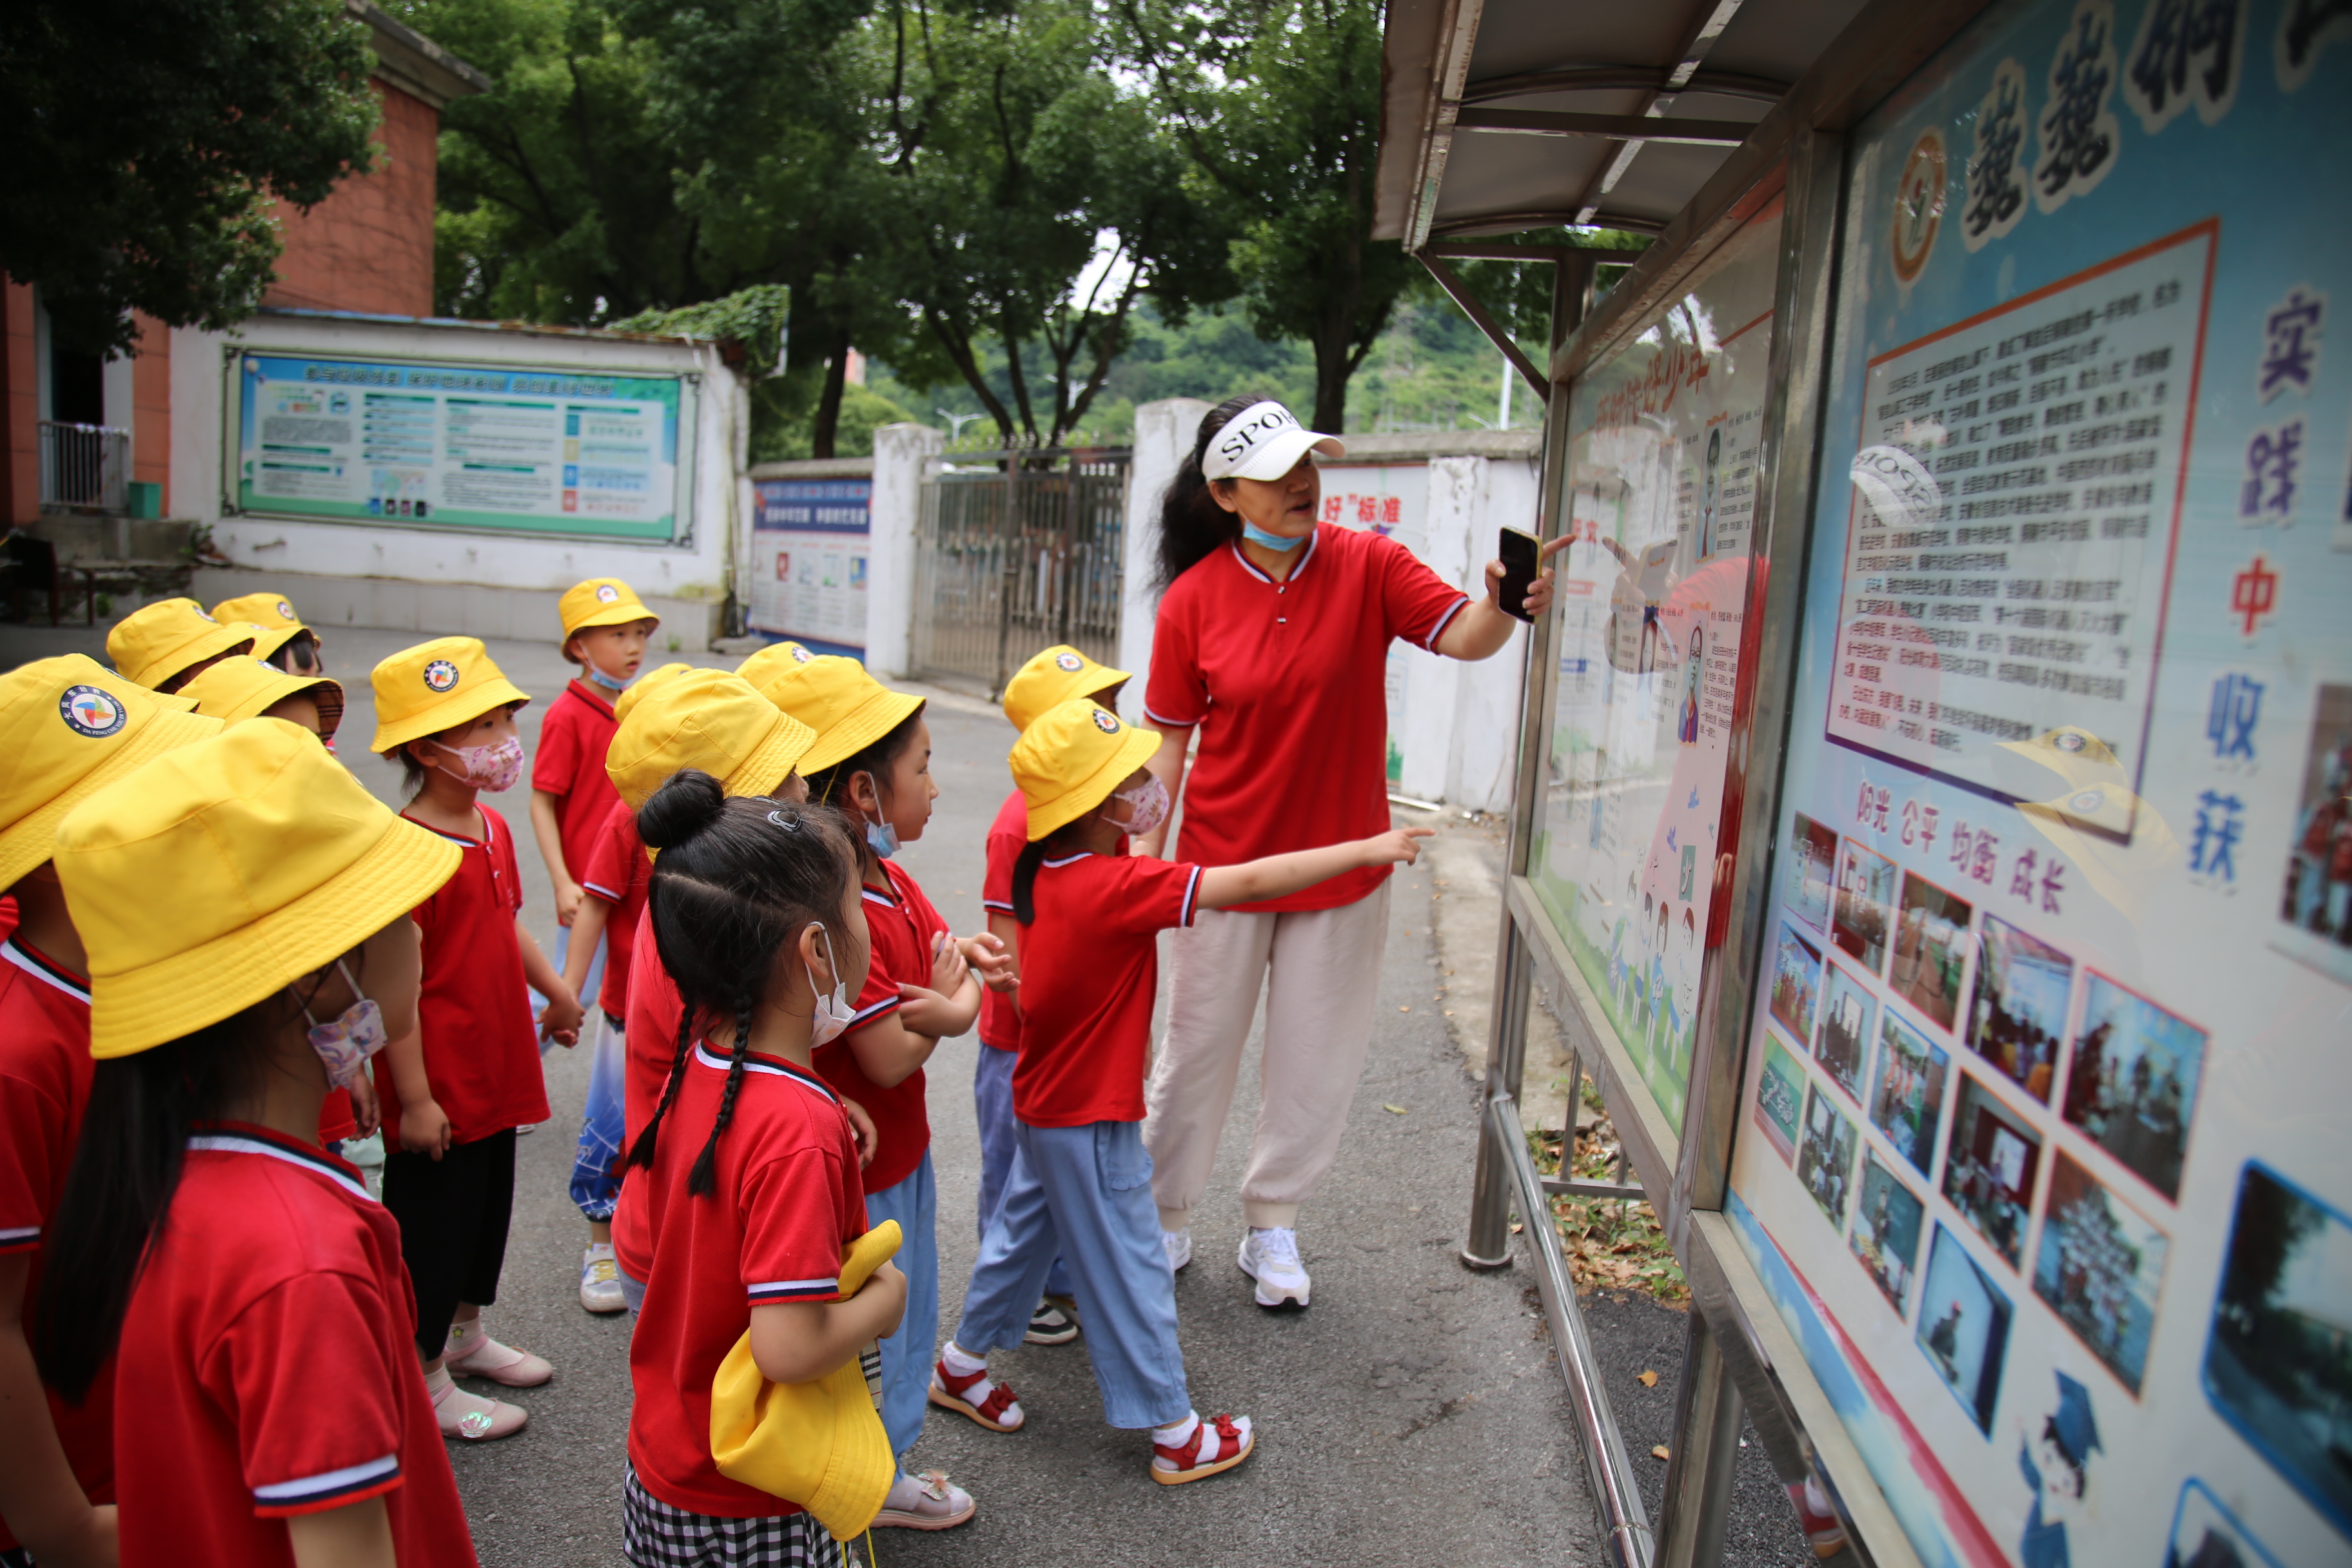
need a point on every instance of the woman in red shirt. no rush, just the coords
(1272, 641)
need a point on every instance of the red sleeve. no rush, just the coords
(1176, 693)
(996, 884)
(502, 852)
(302, 1453)
(612, 863)
(32, 1146)
(558, 762)
(1142, 894)
(791, 1232)
(1418, 602)
(893, 959)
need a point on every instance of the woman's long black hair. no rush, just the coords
(134, 1139)
(1192, 523)
(737, 883)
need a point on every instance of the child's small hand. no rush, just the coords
(988, 956)
(862, 1126)
(947, 965)
(425, 1128)
(367, 1113)
(1397, 844)
(567, 901)
(559, 1020)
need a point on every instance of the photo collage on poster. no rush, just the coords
(2006, 1120)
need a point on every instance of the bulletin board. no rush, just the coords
(810, 545)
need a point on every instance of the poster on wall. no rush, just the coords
(1390, 498)
(493, 447)
(1662, 479)
(2042, 1153)
(810, 546)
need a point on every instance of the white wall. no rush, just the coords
(424, 580)
(1164, 433)
(901, 453)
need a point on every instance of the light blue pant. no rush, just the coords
(991, 1097)
(602, 1119)
(1086, 1191)
(906, 1355)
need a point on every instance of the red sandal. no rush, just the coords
(998, 1409)
(1228, 1439)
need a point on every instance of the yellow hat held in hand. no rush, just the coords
(771, 661)
(224, 871)
(627, 700)
(848, 708)
(272, 614)
(240, 687)
(1051, 679)
(155, 642)
(819, 1444)
(709, 720)
(1073, 759)
(70, 727)
(601, 602)
(436, 686)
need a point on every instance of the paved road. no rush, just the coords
(1414, 1415)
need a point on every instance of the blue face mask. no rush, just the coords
(609, 683)
(882, 838)
(1283, 543)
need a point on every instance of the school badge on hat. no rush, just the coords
(88, 712)
(607, 594)
(1069, 663)
(440, 675)
(1106, 722)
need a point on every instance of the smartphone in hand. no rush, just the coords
(1522, 559)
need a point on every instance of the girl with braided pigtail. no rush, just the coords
(755, 913)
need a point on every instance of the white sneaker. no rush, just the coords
(1271, 1257)
(600, 1280)
(1179, 1244)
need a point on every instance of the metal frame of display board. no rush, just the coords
(1741, 1359)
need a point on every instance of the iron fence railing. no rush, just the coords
(1018, 550)
(86, 466)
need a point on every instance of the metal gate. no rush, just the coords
(1018, 550)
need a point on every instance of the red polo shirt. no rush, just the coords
(618, 872)
(268, 1365)
(787, 1201)
(1089, 968)
(649, 1045)
(570, 765)
(481, 1047)
(1000, 1020)
(1286, 683)
(902, 924)
(44, 1072)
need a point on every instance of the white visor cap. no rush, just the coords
(1263, 441)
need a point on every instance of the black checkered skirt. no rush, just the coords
(656, 1535)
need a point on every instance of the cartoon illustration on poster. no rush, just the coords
(2067, 803)
(1662, 477)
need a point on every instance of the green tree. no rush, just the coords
(146, 141)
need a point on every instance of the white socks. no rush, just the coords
(959, 1361)
(439, 1384)
(1176, 1433)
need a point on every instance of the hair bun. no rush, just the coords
(687, 803)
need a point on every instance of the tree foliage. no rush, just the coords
(146, 139)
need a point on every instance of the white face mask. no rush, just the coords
(1147, 806)
(346, 1041)
(833, 1013)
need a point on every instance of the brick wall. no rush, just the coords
(150, 399)
(369, 246)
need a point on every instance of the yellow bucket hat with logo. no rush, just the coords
(157, 641)
(224, 871)
(436, 686)
(1052, 678)
(772, 660)
(710, 721)
(239, 689)
(820, 1444)
(70, 727)
(601, 602)
(848, 708)
(627, 700)
(272, 614)
(1071, 760)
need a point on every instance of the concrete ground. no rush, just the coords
(1414, 1415)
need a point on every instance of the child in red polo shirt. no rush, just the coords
(69, 727)
(1089, 920)
(455, 1089)
(241, 898)
(605, 627)
(747, 1165)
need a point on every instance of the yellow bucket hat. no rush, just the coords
(236, 689)
(270, 613)
(710, 720)
(70, 727)
(1052, 678)
(627, 700)
(819, 1444)
(1070, 760)
(432, 686)
(225, 870)
(601, 602)
(771, 661)
(848, 708)
(155, 642)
